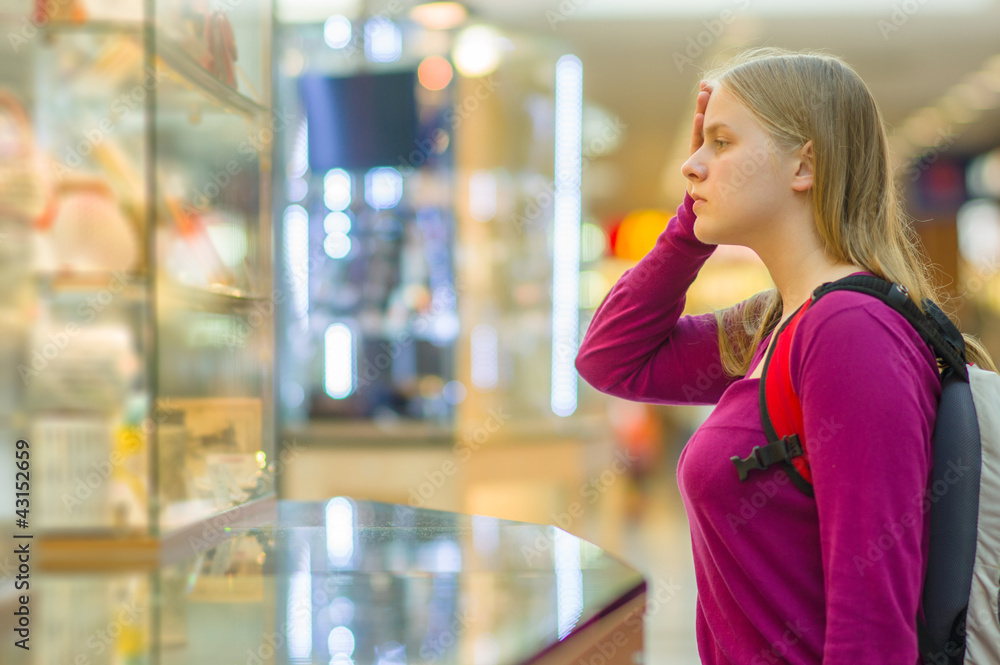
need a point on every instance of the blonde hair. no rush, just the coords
(801, 96)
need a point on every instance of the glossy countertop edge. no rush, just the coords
(247, 516)
(176, 545)
(624, 599)
(188, 542)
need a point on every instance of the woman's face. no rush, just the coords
(747, 191)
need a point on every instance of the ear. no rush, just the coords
(804, 163)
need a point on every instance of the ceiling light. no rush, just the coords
(993, 63)
(978, 229)
(435, 73)
(439, 15)
(337, 31)
(383, 40)
(974, 96)
(958, 111)
(989, 79)
(921, 130)
(316, 11)
(477, 51)
(644, 9)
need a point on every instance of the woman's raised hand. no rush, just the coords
(705, 90)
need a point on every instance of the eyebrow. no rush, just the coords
(714, 127)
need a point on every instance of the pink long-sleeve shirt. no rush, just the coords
(782, 577)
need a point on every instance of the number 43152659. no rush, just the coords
(22, 485)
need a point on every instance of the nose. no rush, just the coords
(693, 169)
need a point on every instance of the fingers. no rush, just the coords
(701, 104)
(704, 93)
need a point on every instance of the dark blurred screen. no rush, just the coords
(359, 122)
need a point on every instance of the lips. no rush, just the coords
(697, 198)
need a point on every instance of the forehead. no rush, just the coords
(723, 110)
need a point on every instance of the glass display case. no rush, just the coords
(367, 241)
(527, 139)
(348, 581)
(135, 143)
(429, 294)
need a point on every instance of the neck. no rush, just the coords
(796, 276)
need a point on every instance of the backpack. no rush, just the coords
(961, 593)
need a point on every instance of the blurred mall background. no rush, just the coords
(311, 248)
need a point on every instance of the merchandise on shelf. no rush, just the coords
(25, 183)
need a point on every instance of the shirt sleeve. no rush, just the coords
(638, 346)
(869, 389)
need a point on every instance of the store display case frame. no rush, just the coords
(198, 350)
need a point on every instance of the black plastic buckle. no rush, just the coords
(761, 457)
(745, 466)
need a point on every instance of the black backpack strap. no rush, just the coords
(937, 330)
(933, 326)
(779, 450)
(932, 653)
(952, 536)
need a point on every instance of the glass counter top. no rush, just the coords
(340, 582)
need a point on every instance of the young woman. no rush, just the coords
(789, 157)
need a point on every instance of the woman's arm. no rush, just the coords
(638, 345)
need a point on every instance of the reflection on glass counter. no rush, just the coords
(352, 582)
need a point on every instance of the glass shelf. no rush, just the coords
(181, 68)
(221, 299)
(130, 285)
(189, 73)
(114, 27)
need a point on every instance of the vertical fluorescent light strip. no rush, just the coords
(339, 362)
(298, 614)
(485, 357)
(482, 196)
(337, 184)
(485, 534)
(296, 237)
(569, 581)
(566, 233)
(299, 163)
(339, 531)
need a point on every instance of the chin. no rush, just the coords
(703, 234)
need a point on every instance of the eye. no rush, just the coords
(724, 143)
